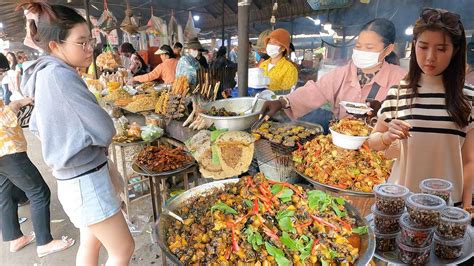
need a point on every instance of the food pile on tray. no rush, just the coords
(263, 222)
(289, 135)
(143, 102)
(221, 112)
(356, 170)
(161, 159)
(171, 104)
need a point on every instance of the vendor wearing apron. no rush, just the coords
(282, 73)
(367, 78)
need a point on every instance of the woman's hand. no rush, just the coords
(397, 129)
(15, 106)
(270, 108)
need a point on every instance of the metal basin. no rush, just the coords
(160, 228)
(237, 105)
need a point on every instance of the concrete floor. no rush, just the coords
(146, 253)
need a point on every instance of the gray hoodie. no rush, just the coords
(74, 130)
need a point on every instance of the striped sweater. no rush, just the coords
(434, 150)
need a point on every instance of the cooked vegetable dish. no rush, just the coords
(262, 222)
(357, 170)
(220, 112)
(351, 127)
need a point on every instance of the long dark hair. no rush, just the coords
(4, 64)
(14, 62)
(54, 23)
(385, 29)
(454, 75)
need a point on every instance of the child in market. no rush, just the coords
(426, 122)
(74, 130)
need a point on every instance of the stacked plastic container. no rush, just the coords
(387, 210)
(427, 223)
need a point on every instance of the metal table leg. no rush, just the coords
(153, 200)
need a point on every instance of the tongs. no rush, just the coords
(172, 214)
(258, 123)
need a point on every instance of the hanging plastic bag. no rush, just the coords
(107, 21)
(129, 24)
(151, 133)
(156, 25)
(173, 30)
(190, 31)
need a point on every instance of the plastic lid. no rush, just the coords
(391, 190)
(405, 222)
(446, 242)
(436, 184)
(426, 201)
(455, 215)
(375, 211)
(411, 249)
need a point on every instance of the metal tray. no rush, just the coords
(160, 228)
(467, 252)
(335, 189)
(137, 169)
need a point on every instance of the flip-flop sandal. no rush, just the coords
(26, 244)
(68, 242)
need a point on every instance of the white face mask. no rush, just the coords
(273, 50)
(194, 53)
(364, 59)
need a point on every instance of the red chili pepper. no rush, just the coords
(227, 253)
(313, 249)
(300, 147)
(318, 152)
(255, 207)
(264, 199)
(235, 244)
(284, 184)
(322, 221)
(345, 224)
(271, 234)
(249, 182)
(304, 225)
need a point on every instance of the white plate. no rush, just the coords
(355, 110)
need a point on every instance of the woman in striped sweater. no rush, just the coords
(426, 122)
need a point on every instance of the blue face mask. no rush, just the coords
(257, 56)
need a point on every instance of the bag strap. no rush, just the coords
(373, 91)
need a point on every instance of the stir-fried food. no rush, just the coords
(163, 159)
(287, 134)
(357, 170)
(220, 112)
(262, 222)
(351, 127)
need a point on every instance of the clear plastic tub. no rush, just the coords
(385, 242)
(438, 187)
(390, 198)
(453, 223)
(425, 209)
(413, 256)
(385, 223)
(448, 249)
(414, 236)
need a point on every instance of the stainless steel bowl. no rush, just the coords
(237, 105)
(163, 223)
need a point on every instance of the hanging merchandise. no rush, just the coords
(95, 30)
(156, 25)
(107, 21)
(180, 34)
(190, 31)
(172, 29)
(112, 37)
(129, 25)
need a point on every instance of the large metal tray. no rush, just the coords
(335, 189)
(160, 228)
(467, 252)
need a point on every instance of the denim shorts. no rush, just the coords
(89, 199)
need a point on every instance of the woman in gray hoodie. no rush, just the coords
(74, 130)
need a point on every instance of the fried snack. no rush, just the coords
(163, 159)
(261, 222)
(286, 134)
(143, 102)
(351, 127)
(117, 95)
(123, 102)
(357, 170)
(107, 60)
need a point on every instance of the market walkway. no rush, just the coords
(145, 253)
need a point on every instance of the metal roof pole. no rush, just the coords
(88, 18)
(223, 27)
(243, 37)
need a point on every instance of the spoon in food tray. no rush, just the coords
(252, 107)
(172, 214)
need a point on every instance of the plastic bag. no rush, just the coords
(190, 31)
(156, 26)
(129, 24)
(173, 30)
(107, 21)
(151, 132)
(188, 66)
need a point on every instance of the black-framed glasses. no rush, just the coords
(88, 45)
(448, 19)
